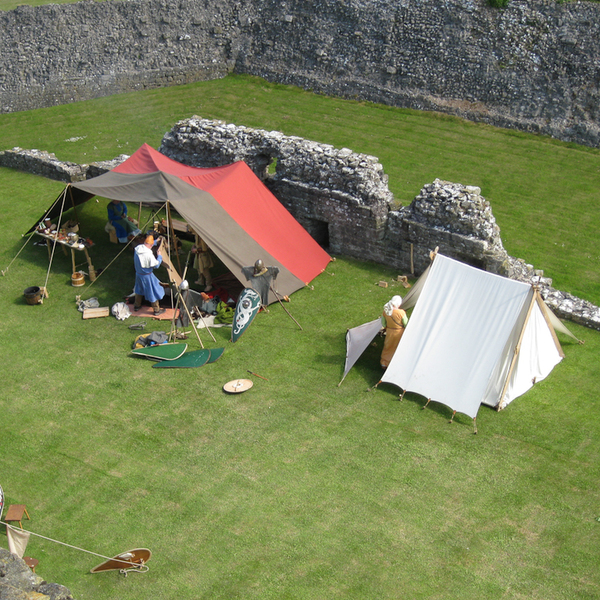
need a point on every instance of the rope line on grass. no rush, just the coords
(30, 236)
(137, 566)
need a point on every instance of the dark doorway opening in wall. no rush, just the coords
(471, 260)
(264, 165)
(319, 230)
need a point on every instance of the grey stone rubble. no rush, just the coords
(19, 582)
(343, 200)
(534, 65)
(43, 163)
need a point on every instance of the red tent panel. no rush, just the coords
(248, 202)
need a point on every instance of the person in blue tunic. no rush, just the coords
(147, 284)
(124, 225)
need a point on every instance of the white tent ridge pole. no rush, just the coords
(513, 362)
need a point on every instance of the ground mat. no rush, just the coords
(189, 360)
(166, 352)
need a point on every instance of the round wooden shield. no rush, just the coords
(236, 386)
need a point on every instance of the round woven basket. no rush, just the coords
(77, 279)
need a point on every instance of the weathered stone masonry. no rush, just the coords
(343, 200)
(534, 65)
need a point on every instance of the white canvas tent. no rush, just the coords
(358, 338)
(473, 338)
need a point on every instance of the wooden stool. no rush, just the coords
(31, 562)
(15, 513)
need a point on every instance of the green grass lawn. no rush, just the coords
(544, 193)
(297, 488)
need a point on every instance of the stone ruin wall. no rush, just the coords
(534, 65)
(342, 198)
(19, 582)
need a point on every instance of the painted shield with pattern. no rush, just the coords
(247, 307)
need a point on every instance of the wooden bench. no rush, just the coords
(15, 513)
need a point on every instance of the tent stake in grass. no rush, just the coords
(368, 389)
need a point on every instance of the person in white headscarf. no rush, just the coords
(395, 322)
(147, 284)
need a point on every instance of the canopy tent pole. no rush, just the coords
(452, 417)
(177, 304)
(181, 301)
(173, 326)
(64, 197)
(427, 403)
(190, 318)
(180, 298)
(72, 201)
(517, 349)
(284, 308)
(205, 325)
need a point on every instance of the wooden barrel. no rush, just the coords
(33, 295)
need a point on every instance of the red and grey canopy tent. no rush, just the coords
(228, 206)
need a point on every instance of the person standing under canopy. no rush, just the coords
(395, 322)
(124, 225)
(147, 284)
(202, 262)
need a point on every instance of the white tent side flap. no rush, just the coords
(471, 332)
(357, 340)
